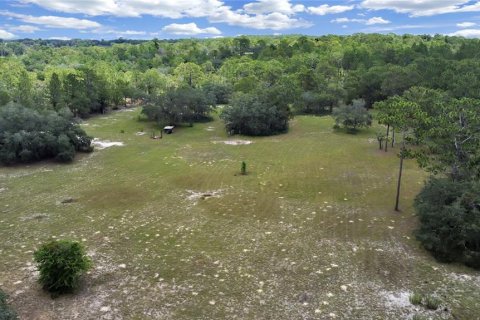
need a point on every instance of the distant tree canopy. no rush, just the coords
(90, 76)
(28, 135)
(306, 75)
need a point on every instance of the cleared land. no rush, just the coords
(176, 233)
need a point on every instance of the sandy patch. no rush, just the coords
(195, 195)
(234, 142)
(465, 278)
(397, 300)
(103, 144)
(35, 216)
(210, 129)
(140, 133)
(127, 110)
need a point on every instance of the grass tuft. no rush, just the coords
(416, 298)
(432, 302)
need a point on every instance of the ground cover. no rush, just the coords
(175, 232)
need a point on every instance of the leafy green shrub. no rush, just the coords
(449, 213)
(416, 299)
(61, 263)
(6, 313)
(352, 117)
(244, 168)
(432, 302)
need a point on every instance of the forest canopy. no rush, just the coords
(262, 81)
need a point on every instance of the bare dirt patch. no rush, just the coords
(103, 144)
(234, 142)
(196, 195)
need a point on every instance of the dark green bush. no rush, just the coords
(250, 114)
(352, 117)
(28, 135)
(243, 169)
(61, 263)
(6, 313)
(449, 214)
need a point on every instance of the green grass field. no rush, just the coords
(309, 233)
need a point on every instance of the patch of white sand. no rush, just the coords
(195, 195)
(397, 300)
(235, 142)
(103, 144)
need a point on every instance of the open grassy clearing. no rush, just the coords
(309, 234)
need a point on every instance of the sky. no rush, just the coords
(172, 19)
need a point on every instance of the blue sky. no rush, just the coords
(165, 19)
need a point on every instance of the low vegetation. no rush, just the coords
(6, 312)
(352, 117)
(61, 264)
(416, 298)
(432, 302)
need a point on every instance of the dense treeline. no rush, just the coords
(443, 133)
(319, 73)
(262, 81)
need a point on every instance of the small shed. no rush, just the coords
(168, 129)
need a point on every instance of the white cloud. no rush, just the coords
(405, 27)
(53, 21)
(132, 33)
(368, 22)
(269, 6)
(115, 32)
(325, 9)
(134, 8)
(5, 35)
(25, 29)
(261, 14)
(466, 24)
(273, 21)
(467, 33)
(419, 8)
(60, 38)
(345, 20)
(189, 29)
(376, 20)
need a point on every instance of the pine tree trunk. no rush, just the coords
(399, 184)
(386, 139)
(393, 136)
